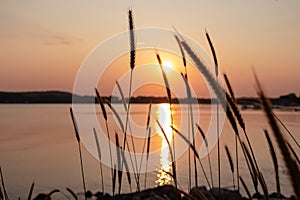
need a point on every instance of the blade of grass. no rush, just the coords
(30, 191)
(114, 179)
(186, 77)
(167, 85)
(136, 172)
(251, 167)
(171, 153)
(123, 130)
(187, 141)
(264, 185)
(168, 90)
(233, 104)
(213, 53)
(189, 96)
(208, 154)
(147, 155)
(274, 160)
(291, 164)
(116, 115)
(100, 101)
(127, 170)
(1, 194)
(3, 185)
(132, 39)
(195, 153)
(79, 148)
(230, 164)
(51, 193)
(287, 130)
(181, 51)
(132, 66)
(120, 172)
(75, 126)
(145, 139)
(99, 156)
(122, 95)
(293, 152)
(72, 193)
(104, 114)
(218, 130)
(246, 188)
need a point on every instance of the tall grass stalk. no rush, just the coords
(123, 130)
(79, 148)
(287, 130)
(189, 114)
(1, 194)
(120, 172)
(147, 155)
(208, 153)
(189, 96)
(132, 66)
(72, 193)
(30, 191)
(99, 156)
(246, 188)
(122, 95)
(134, 167)
(291, 164)
(114, 178)
(251, 167)
(168, 90)
(263, 184)
(233, 104)
(274, 160)
(127, 169)
(203, 69)
(48, 196)
(218, 128)
(219, 91)
(145, 139)
(182, 52)
(220, 94)
(293, 152)
(3, 185)
(230, 164)
(104, 114)
(115, 114)
(195, 153)
(171, 154)
(213, 53)
(240, 120)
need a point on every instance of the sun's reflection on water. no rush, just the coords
(164, 117)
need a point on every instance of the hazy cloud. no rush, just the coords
(15, 27)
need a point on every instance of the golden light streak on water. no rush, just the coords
(164, 118)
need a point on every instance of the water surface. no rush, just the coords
(37, 143)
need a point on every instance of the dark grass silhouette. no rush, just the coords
(79, 148)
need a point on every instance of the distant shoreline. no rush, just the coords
(59, 97)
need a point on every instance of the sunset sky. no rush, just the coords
(43, 43)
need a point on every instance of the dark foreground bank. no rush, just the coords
(168, 192)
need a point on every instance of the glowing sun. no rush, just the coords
(167, 66)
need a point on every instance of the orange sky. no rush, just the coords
(44, 43)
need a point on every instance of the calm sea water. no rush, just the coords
(37, 144)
